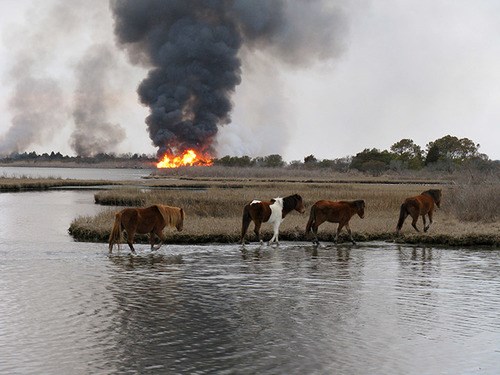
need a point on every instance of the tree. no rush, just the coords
(450, 148)
(408, 153)
(273, 161)
(311, 159)
(372, 160)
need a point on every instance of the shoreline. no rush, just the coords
(471, 240)
(214, 205)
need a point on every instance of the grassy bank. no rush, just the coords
(468, 215)
(39, 184)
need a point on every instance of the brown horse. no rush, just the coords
(422, 204)
(334, 212)
(150, 220)
(273, 212)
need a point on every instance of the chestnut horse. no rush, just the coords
(150, 220)
(273, 212)
(334, 212)
(422, 204)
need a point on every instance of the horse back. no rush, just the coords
(333, 211)
(142, 219)
(260, 211)
(422, 203)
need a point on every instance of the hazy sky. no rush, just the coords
(417, 69)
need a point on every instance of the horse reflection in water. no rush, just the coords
(334, 212)
(150, 220)
(273, 212)
(155, 261)
(420, 205)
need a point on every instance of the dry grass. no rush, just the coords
(29, 183)
(214, 214)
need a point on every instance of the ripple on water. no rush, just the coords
(199, 309)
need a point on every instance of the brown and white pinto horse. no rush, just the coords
(420, 205)
(334, 212)
(150, 220)
(273, 212)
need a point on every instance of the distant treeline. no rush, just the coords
(448, 153)
(96, 159)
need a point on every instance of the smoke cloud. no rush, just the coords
(49, 69)
(35, 107)
(93, 133)
(194, 50)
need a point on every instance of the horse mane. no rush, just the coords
(434, 193)
(290, 202)
(360, 203)
(172, 215)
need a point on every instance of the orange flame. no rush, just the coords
(188, 158)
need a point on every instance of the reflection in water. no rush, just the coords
(373, 308)
(418, 283)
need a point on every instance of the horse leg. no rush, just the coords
(158, 232)
(339, 228)
(244, 227)
(256, 230)
(424, 222)
(350, 234)
(275, 234)
(414, 222)
(315, 232)
(430, 221)
(152, 241)
(130, 238)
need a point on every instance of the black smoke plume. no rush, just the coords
(193, 49)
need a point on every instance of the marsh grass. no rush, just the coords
(29, 183)
(214, 214)
(476, 201)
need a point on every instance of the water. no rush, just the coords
(69, 308)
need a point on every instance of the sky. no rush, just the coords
(418, 69)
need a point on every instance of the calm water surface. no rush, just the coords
(69, 308)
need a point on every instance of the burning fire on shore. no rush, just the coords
(188, 158)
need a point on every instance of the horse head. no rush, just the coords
(299, 204)
(436, 196)
(360, 208)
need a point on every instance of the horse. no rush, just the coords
(334, 212)
(422, 204)
(273, 212)
(150, 220)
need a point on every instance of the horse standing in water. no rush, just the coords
(273, 212)
(334, 212)
(150, 220)
(422, 204)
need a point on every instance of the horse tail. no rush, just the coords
(245, 221)
(403, 213)
(116, 233)
(312, 219)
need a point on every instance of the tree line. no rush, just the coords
(448, 153)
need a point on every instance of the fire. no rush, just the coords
(189, 157)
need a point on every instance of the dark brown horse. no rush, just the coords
(334, 212)
(150, 220)
(273, 212)
(420, 205)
